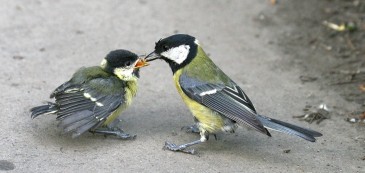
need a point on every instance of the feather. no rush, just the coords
(229, 102)
(44, 109)
(77, 124)
(86, 101)
(80, 130)
(290, 129)
(75, 117)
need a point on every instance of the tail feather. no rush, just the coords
(290, 129)
(44, 109)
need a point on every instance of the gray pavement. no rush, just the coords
(43, 42)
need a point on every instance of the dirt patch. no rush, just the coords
(6, 165)
(327, 39)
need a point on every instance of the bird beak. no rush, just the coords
(152, 56)
(141, 62)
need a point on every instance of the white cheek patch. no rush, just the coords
(123, 73)
(177, 54)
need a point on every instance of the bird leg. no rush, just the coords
(191, 129)
(183, 148)
(215, 137)
(119, 133)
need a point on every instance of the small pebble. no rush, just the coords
(18, 57)
(287, 151)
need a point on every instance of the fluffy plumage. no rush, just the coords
(94, 96)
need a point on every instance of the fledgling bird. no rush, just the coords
(216, 102)
(95, 96)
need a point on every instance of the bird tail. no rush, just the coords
(290, 129)
(44, 109)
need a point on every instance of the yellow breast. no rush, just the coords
(208, 119)
(130, 92)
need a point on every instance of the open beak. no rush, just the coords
(141, 62)
(152, 56)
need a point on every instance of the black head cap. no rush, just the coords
(119, 58)
(176, 41)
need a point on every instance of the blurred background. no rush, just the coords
(298, 61)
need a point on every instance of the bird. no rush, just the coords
(94, 97)
(215, 100)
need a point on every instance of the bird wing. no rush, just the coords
(230, 102)
(65, 87)
(87, 105)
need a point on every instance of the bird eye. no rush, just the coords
(165, 47)
(128, 63)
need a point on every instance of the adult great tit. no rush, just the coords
(95, 96)
(216, 102)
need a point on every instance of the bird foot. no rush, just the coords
(119, 133)
(191, 129)
(178, 148)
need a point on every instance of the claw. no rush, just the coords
(181, 148)
(119, 133)
(191, 129)
(172, 146)
(123, 135)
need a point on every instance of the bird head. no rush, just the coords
(123, 64)
(177, 50)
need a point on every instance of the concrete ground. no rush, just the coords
(43, 42)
